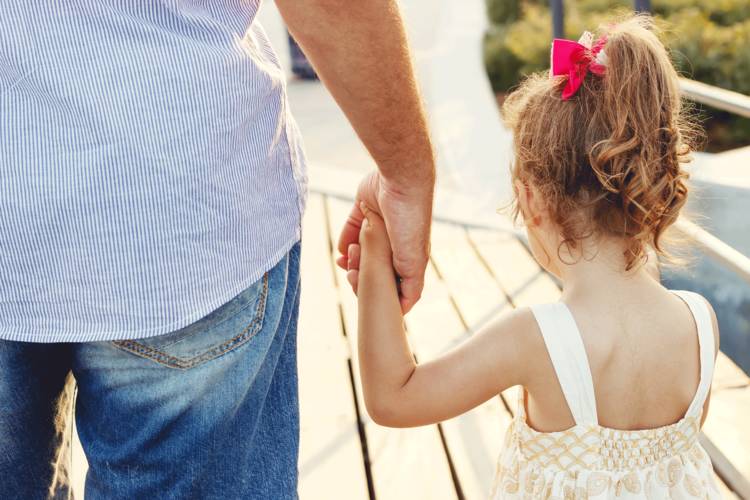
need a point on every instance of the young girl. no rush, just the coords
(615, 377)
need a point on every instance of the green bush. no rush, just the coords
(503, 12)
(722, 12)
(503, 66)
(711, 45)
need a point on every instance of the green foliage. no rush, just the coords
(502, 65)
(503, 12)
(721, 12)
(709, 42)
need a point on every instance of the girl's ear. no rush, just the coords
(522, 196)
(529, 201)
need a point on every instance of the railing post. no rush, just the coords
(642, 6)
(556, 6)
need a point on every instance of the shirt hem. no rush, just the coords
(67, 337)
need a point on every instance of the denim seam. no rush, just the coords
(216, 325)
(163, 358)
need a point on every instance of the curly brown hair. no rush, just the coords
(608, 160)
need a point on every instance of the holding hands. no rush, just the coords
(403, 217)
(372, 257)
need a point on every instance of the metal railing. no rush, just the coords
(725, 100)
(716, 249)
(712, 246)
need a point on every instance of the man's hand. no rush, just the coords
(407, 216)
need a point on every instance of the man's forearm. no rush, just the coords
(359, 50)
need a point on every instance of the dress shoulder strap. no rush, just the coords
(702, 317)
(568, 355)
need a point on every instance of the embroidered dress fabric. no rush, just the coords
(150, 169)
(589, 461)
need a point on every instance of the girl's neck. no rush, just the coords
(600, 271)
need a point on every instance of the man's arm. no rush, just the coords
(360, 52)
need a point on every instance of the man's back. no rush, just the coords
(149, 168)
(151, 181)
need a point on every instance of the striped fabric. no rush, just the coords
(149, 167)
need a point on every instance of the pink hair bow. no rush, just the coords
(575, 59)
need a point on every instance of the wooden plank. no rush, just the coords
(476, 293)
(733, 484)
(405, 463)
(330, 448)
(523, 281)
(727, 375)
(520, 277)
(434, 325)
(727, 426)
(459, 298)
(724, 490)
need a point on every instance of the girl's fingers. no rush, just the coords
(352, 276)
(350, 232)
(342, 262)
(353, 255)
(373, 234)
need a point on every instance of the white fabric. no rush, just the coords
(702, 316)
(568, 355)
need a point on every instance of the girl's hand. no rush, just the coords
(406, 216)
(373, 252)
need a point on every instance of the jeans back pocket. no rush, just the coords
(221, 331)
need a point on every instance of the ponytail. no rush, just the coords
(608, 159)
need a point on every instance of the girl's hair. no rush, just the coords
(608, 160)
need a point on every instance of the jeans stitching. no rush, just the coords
(215, 325)
(163, 358)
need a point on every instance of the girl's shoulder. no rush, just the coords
(698, 304)
(536, 332)
(518, 331)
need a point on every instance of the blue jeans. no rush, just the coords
(208, 411)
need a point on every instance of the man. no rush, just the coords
(151, 189)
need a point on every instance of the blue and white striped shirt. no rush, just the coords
(149, 167)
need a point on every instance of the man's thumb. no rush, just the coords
(411, 291)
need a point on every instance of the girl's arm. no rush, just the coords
(400, 393)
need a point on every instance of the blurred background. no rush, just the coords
(709, 42)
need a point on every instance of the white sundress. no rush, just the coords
(589, 461)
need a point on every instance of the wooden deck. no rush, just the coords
(474, 275)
